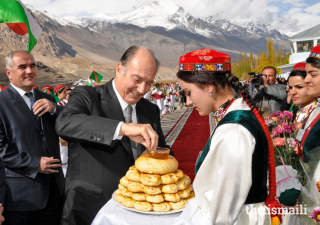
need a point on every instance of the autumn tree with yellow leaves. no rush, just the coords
(255, 63)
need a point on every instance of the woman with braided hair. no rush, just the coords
(232, 171)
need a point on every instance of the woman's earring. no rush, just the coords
(210, 94)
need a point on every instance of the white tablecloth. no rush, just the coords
(111, 214)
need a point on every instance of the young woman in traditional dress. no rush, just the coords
(153, 94)
(298, 91)
(61, 92)
(158, 96)
(310, 131)
(308, 140)
(231, 173)
(172, 96)
(165, 99)
(288, 185)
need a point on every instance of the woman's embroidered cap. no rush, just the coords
(299, 66)
(205, 60)
(315, 52)
(47, 87)
(59, 88)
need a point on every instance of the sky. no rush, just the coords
(287, 16)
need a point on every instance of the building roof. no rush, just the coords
(286, 66)
(310, 33)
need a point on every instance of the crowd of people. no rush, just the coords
(306, 47)
(163, 95)
(64, 151)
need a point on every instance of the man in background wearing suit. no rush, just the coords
(270, 94)
(102, 125)
(29, 146)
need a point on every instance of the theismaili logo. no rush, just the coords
(263, 210)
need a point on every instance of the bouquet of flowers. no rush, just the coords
(283, 133)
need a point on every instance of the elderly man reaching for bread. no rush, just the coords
(103, 126)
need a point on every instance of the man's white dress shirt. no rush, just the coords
(123, 105)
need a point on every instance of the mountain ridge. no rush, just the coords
(74, 46)
(154, 13)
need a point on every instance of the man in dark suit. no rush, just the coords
(29, 146)
(99, 124)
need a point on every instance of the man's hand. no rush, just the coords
(140, 133)
(265, 81)
(43, 106)
(46, 165)
(1, 216)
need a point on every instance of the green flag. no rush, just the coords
(51, 93)
(96, 77)
(19, 20)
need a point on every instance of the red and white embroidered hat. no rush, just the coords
(59, 88)
(205, 60)
(299, 67)
(315, 52)
(47, 87)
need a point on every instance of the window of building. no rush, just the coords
(305, 46)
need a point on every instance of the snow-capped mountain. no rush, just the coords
(152, 14)
(250, 26)
(164, 13)
(262, 29)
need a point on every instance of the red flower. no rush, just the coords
(297, 125)
(278, 142)
(296, 149)
(318, 186)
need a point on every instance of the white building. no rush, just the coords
(301, 46)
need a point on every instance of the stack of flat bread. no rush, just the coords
(154, 185)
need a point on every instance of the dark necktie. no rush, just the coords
(30, 95)
(128, 119)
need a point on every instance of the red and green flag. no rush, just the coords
(96, 77)
(19, 20)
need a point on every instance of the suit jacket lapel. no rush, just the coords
(108, 97)
(19, 102)
(112, 110)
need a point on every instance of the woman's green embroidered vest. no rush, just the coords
(258, 191)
